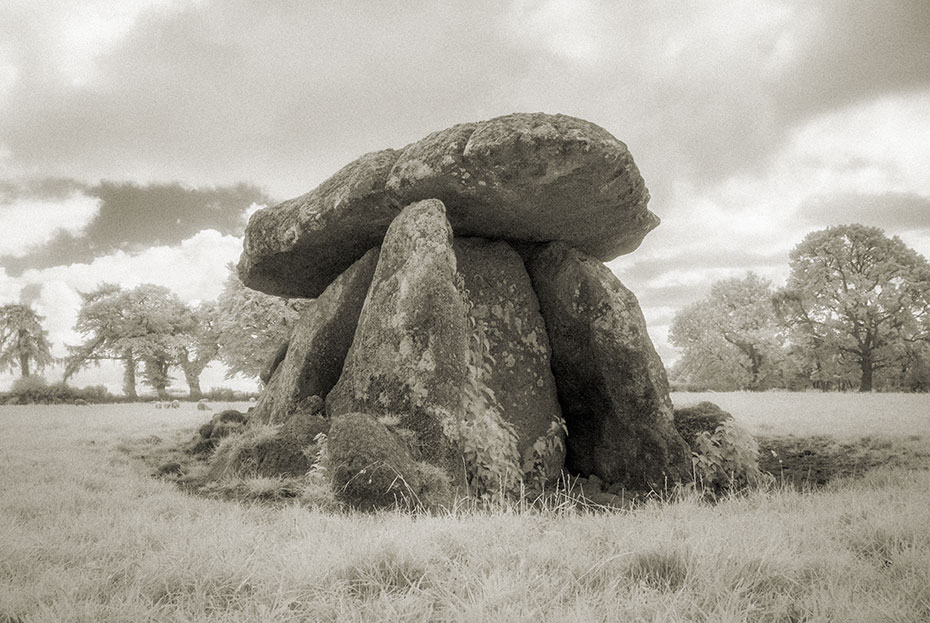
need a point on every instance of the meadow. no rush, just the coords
(87, 534)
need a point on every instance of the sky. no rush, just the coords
(137, 136)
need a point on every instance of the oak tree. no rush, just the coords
(856, 299)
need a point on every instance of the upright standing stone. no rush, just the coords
(319, 343)
(612, 384)
(505, 307)
(408, 358)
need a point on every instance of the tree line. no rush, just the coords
(854, 313)
(152, 333)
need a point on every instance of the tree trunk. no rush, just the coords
(129, 375)
(192, 370)
(158, 376)
(24, 364)
(193, 382)
(865, 362)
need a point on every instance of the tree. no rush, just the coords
(201, 348)
(730, 339)
(148, 324)
(22, 339)
(251, 325)
(856, 299)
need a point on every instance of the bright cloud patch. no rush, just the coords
(27, 222)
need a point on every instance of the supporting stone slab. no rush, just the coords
(319, 343)
(408, 358)
(612, 385)
(505, 308)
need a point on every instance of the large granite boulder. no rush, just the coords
(408, 358)
(611, 383)
(319, 343)
(522, 177)
(504, 308)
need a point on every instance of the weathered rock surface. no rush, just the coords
(612, 385)
(300, 246)
(521, 177)
(505, 307)
(408, 358)
(319, 343)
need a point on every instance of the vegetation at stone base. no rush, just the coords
(855, 313)
(23, 341)
(725, 457)
(488, 442)
(87, 534)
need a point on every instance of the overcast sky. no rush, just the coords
(137, 135)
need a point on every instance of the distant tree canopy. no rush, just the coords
(23, 341)
(251, 325)
(856, 305)
(857, 298)
(147, 325)
(730, 339)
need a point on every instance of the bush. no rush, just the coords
(35, 390)
(226, 394)
(702, 417)
(727, 460)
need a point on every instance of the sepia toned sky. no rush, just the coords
(136, 136)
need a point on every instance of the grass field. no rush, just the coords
(86, 534)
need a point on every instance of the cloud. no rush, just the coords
(28, 222)
(846, 51)
(112, 216)
(217, 92)
(891, 211)
(195, 269)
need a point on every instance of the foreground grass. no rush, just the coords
(87, 535)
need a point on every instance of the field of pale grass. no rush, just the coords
(86, 534)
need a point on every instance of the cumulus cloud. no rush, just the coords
(118, 216)
(845, 51)
(27, 221)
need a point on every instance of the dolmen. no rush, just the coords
(465, 336)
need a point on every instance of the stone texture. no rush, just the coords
(300, 246)
(531, 178)
(506, 308)
(319, 343)
(522, 177)
(408, 358)
(612, 385)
